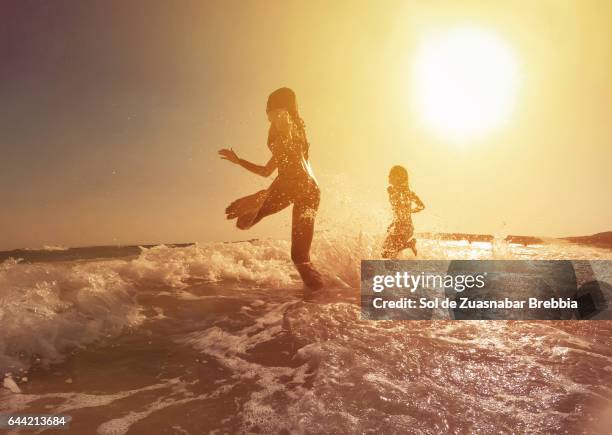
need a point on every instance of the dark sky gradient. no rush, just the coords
(95, 98)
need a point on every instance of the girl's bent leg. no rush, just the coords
(275, 201)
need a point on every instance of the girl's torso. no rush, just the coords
(401, 199)
(290, 150)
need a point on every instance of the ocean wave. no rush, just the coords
(48, 308)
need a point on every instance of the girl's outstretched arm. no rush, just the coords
(419, 204)
(264, 171)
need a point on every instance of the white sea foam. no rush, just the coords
(48, 248)
(46, 309)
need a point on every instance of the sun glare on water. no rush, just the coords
(465, 83)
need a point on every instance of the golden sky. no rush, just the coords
(113, 115)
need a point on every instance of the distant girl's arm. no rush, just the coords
(418, 203)
(264, 171)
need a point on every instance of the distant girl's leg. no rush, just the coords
(390, 249)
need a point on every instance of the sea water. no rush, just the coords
(216, 337)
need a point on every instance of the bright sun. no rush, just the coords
(466, 83)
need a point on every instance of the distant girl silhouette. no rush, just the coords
(404, 202)
(295, 183)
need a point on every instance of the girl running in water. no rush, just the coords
(399, 233)
(295, 183)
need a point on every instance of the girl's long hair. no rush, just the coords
(400, 174)
(284, 98)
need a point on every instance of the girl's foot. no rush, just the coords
(312, 279)
(412, 245)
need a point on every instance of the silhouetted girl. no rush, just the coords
(399, 233)
(295, 183)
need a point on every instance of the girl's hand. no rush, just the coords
(229, 155)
